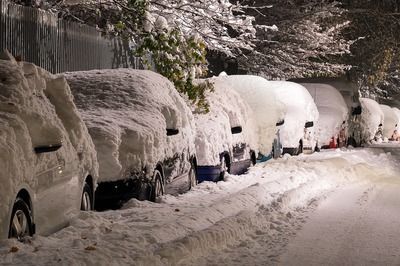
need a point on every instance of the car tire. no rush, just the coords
(158, 187)
(87, 198)
(224, 168)
(300, 148)
(192, 177)
(21, 220)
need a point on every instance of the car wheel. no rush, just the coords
(158, 187)
(192, 177)
(300, 148)
(87, 198)
(21, 220)
(224, 168)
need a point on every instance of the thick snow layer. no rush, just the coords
(227, 110)
(127, 112)
(37, 109)
(371, 116)
(390, 120)
(213, 224)
(332, 110)
(267, 108)
(300, 108)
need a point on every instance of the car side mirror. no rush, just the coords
(172, 131)
(280, 123)
(309, 124)
(47, 148)
(236, 130)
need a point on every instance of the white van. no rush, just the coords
(333, 115)
(143, 132)
(47, 158)
(226, 135)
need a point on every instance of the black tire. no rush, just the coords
(225, 167)
(253, 158)
(300, 148)
(21, 220)
(192, 176)
(158, 186)
(87, 198)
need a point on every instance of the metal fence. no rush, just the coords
(40, 37)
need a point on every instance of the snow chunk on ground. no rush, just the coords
(267, 108)
(127, 112)
(227, 110)
(371, 117)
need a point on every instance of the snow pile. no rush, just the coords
(390, 121)
(300, 108)
(127, 112)
(267, 109)
(37, 109)
(332, 110)
(193, 228)
(227, 110)
(371, 117)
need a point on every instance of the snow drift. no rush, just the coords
(127, 112)
(332, 110)
(37, 109)
(371, 117)
(267, 108)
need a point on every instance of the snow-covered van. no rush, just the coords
(226, 135)
(333, 114)
(268, 111)
(371, 122)
(47, 158)
(298, 132)
(142, 130)
(390, 120)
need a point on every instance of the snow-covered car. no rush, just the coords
(396, 133)
(390, 120)
(226, 135)
(47, 158)
(298, 132)
(333, 114)
(371, 122)
(268, 111)
(142, 130)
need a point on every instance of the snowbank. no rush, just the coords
(227, 110)
(300, 108)
(37, 109)
(267, 109)
(332, 110)
(371, 117)
(127, 112)
(390, 121)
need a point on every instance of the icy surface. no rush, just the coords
(127, 112)
(267, 108)
(332, 110)
(227, 110)
(371, 116)
(390, 121)
(213, 224)
(37, 109)
(300, 108)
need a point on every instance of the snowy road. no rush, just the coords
(332, 207)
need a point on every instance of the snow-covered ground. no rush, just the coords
(248, 219)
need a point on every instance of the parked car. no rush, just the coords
(47, 158)
(396, 133)
(268, 111)
(371, 122)
(226, 135)
(333, 115)
(142, 130)
(390, 119)
(297, 133)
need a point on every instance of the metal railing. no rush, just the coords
(39, 37)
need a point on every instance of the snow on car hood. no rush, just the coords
(267, 109)
(390, 120)
(332, 110)
(300, 108)
(371, 116)
(127, 112)
(227, 110)
(36, 109)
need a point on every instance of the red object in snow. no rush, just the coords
(332, 143)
